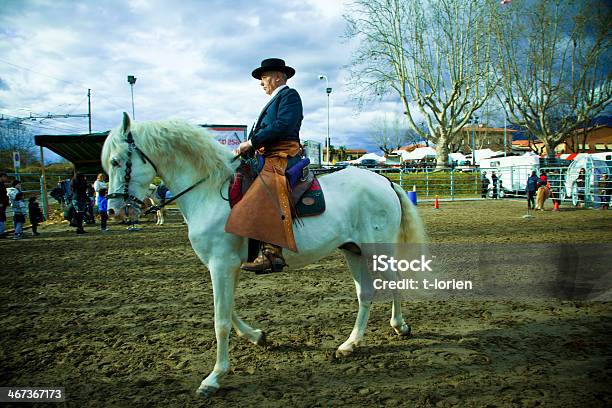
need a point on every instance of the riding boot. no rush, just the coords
(270, 260)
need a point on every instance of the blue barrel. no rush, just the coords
(412, 197)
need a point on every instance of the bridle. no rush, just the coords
(129, 199)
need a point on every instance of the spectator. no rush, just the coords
(19, 214)
(91, 203)
(543, 179)
(36, 215)
(99, 184)
(78, 186)
(12, 191)
(494, 182)
(484, 184)
(605, 189)
(580, 182)
(4, 203)
(103, 208)
(532, 188)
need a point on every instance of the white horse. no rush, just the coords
(361, 207)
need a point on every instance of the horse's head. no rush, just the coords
(129, 169)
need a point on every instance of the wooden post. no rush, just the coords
(44, 189)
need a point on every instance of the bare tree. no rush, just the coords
(15, 137)
(391, 132)
(434, 54)
(554, 61)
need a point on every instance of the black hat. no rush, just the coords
(273, 64)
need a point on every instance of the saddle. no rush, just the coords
(306, 196)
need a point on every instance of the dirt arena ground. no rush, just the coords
(125, 319)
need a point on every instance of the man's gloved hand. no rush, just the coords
(243, 147)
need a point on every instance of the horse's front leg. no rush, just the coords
(223, 273)
(255, 336)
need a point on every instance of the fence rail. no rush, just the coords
(448, 183)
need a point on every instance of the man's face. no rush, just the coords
(271, 80)
(4, 178)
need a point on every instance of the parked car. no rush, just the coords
(369, 163)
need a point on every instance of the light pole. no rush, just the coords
(328, 140)
(474, 121)
(132, 80)
(505, 126)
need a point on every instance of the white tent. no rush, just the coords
(371, 156)
(420, 153)
(456, 157)
(485, 154)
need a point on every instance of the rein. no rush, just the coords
(130, 199)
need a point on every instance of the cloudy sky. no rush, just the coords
(192, 59)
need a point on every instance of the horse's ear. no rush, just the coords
(125, 126)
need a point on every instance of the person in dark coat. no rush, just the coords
(4, 204)
(276, 137)
(532, 188)
(80, 200)
(484, 185)
(36, 216)
(494, 181)
(580, 184)
(605, 189)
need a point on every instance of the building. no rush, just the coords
(483, 138)
(342, 154)
(598, 139)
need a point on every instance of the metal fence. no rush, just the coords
(459, 184)
(448, 183)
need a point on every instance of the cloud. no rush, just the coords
(4, 86)
(193, 60)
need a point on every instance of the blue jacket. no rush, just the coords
(102, 204)
(279, 120)
(532, 183)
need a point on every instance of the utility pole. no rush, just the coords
(89, 108)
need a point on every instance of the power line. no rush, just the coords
(65, 81)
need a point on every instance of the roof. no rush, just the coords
(82, 150)
(488, 129)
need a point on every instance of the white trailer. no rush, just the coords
(512, 171)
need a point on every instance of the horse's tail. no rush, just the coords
(411, 228)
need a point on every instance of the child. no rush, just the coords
(19, 213)
(103, 208)
(35, 215)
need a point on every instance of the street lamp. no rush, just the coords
(328, 91)
(474, 121)
(132, 80)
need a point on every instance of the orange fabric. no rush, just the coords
(264, 213)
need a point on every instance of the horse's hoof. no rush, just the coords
(403, 331)
(207, 391)
(341, 353)
(262, 339)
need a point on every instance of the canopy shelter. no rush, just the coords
(420, 153)
(457, 157)
(83, 151)
(369, 156)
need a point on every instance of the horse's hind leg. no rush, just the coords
(365, 292)
(397, 320)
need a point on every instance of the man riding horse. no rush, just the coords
(264, 214)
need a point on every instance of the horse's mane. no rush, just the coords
(165, 140)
